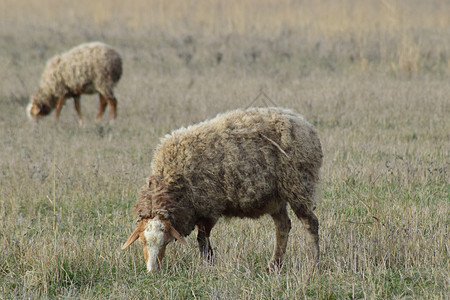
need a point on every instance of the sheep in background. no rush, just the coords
(86, 69)
(244, 163)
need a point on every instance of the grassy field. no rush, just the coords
(372, 76)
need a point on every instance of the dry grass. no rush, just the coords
(372, 76)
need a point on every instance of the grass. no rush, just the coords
(371, 76)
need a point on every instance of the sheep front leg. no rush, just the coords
(282, 226)
(204, 227)
(59, 106)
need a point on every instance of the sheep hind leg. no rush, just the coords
(101, 108)
(76, 102)
(311, 224)
(282, 227)
(113, 106)
(204, 227)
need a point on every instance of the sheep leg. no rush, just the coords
(113, 104)
(282, 226)
(59, 105)
(76, 102)
(204, 227)
(101, 108)
(311, 223)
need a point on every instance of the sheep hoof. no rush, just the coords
(207, 263)
(274, 266)
(208, 260)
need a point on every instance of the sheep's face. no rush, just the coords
(155, 234)
(41, 104)
(36, 111)
(156, 237)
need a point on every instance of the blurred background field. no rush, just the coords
(372, 76)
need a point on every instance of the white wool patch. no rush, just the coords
(29, 106)
(154, 237)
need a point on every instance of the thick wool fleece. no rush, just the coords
(86, 69)
(243, 163)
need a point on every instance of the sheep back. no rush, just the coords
(85, 69)
(237, 164)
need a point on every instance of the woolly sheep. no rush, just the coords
(244, 163)
(86, 69)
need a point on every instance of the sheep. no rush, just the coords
(244, 163)
(86, 69)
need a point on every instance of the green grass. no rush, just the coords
(377, 94)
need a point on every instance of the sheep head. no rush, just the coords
(154, 233)
(39, 106)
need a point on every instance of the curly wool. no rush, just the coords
(85, 69)
(243, 163)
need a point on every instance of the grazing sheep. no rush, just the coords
(244, 163)
(87, 69)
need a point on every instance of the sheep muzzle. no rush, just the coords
(155, 235)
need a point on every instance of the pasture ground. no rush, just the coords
(372, 76)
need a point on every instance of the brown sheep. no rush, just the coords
(244, 163)
(87, 69)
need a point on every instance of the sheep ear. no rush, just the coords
(134, 236)
(178, 236)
